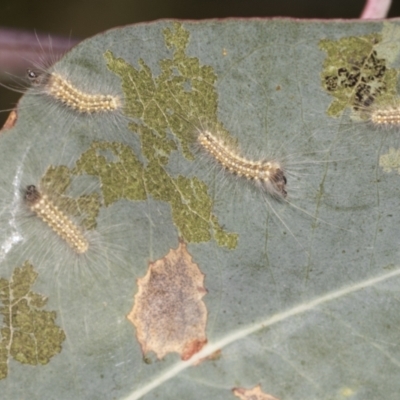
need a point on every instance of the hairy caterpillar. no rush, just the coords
(277, 180)
(61, 89)
(56, 219)
(78, 92)
(384, 115)
(267, 174)
(45, 209)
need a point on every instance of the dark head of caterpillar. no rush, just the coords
(36, 78)
(32, 195)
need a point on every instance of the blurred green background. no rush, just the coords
(83, 18)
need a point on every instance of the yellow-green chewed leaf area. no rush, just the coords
(176, 101)
(171, 107)
(119, 171)
(123, 176)
(355, 74)
(29, 334)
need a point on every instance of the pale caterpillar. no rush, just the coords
(46, 210)
(277, 180)
(63, 90)
(57, 220)
(360, 125)
(383, 114)
(267, 174)
(77, 91)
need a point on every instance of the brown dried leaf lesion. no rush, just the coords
(168, 313)
(255, 393)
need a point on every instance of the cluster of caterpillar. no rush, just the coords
(89, 103)
(60, 90)
(269, 175)
(58, 85)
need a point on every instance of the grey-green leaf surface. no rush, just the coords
(302, 293)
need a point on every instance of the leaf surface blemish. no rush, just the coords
(168, 313)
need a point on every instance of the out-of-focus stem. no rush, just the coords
(376, 9)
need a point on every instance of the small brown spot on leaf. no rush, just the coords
(278, 88)
(212, 357)
(168, 313)
(192, 347)
(252, 394)
(11, 120)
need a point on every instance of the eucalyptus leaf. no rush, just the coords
(300, 292)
